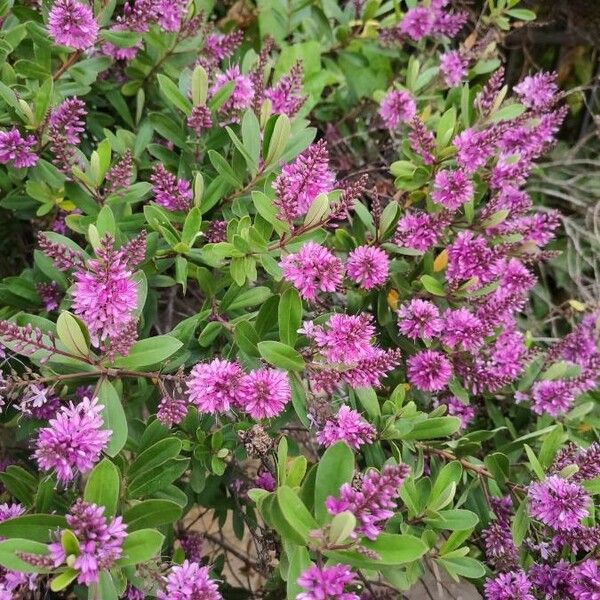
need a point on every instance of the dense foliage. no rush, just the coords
(280, 274)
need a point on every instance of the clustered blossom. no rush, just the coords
(457, 408)
(212, 387)
(218, 46)
(313, 269)
(538, 91)
(286, 95)
(419, 319)
(348, 426)
(220, 385)
(71, 23)
(301, 181)
(192, 543)
(17, 150)
(421, 140)
(49, 294)
(170, 192)
(558, 503)
(119, 175)
(509, 586)
(429, 370)
(189, 581)
(368, 266)
(452, 189)
(432, 19)
(39, 402)
(453, 67)
(500, 550)
(73, 440)
(171, 411)
(373, 502)
(327, 583)
(100, 541)
(264, 393)
(397, 107)
(420, 230)
(241, 97)
(200, 119)
(105, 295)
(344, 338)
(65, 126)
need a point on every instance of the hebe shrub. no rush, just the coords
(232, 311)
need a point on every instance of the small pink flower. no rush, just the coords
(368, 266)
(264, 393)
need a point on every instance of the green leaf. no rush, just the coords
(520, 524)
(561, 369)
(171, 92)
(295, 513)
(299, 562)
(10, 560)
(158, 478)
(20, 483)
(391, 550)
(224, 169)
(508, 113)
(435, 427)
(251, 138)
(64, 579)
(335, 468)
(534, 463)
(246, 338)
(454, 519)
(151, 513)
(342, 525)
(445, 128)
(43, 98)
(522, 14)
(199, 85)
(121, 39)
(281, 355)
(71, 333)
(32, 527)
(191, 226)
(103, 486)
(550, 445)
(279, 139)
(463, 566)
(432, 285)
(368, 398)
(148, 352)
(106, 588)
(289, 316)
(140, 546)
(113, 416)
(155, 455)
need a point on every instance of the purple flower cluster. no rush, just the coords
(286, 95)
(397, 107)
(16, 150)
(368, 266)
(65, 126)
(73, 440)
(301, 181)
(71, 23)
(220, 385)
(100, 541)
(240, 98)
(431, 19)
(558, 503)
(374, 502)
(453, 66)
(105, 295)
(327, 583)
(189, 581)
(348, 426)
(170, 192)
(313, 269)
